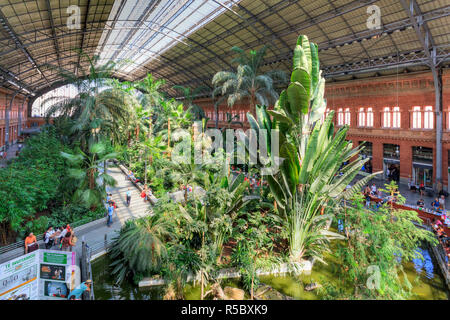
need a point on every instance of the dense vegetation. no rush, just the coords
(224, 222)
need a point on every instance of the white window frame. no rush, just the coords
(361, 117)
(386, 117)
(347, 116)
(417, 117)
(340, 117)
(396, 118)
(428, 119)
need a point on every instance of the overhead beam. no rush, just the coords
(82, 36)
(7, 27)
(52, 24)
(12, 79)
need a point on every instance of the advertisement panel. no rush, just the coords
(19, 278)
(41, 274)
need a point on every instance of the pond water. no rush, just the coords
(423, 275)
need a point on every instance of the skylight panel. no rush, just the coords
(167, 24)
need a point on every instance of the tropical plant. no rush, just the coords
(310, 180)
(99, 108)
(248, 81)
(88, 170)
(140, 248)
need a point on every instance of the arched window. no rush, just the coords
(340, 117)
(347, 116)
(386, 117)
(417, 118)
(369, 117)
(361, 117)
(396, 118)
(428, 118)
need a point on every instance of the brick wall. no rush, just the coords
(5, 99)
(405, 91)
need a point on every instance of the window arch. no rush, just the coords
(340, 117)
(428, 122)
(386, 117)
(417, 118)
(361, 117)
(369, 117)
(347, 116)
(396, 120)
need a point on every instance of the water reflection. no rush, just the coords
(421, 273)
(425, 264)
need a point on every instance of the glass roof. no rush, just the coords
(143, 30)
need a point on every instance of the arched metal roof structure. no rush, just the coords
(187, 41)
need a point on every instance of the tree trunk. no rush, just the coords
(251, 290)
(168, 135)
(216, 110)
(252, 104)
(201, 284)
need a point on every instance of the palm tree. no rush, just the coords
(248, 81)
(188, 100)
(151, 96)
(88, 170)
(140, 246)
(99, 108)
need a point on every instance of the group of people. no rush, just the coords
(371, 191)
(63, 238)
(147, 193)
(130, 176)
(444, 239)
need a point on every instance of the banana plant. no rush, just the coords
(310, 179)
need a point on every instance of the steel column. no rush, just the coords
(7, 119)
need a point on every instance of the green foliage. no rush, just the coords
(100, 107)
(30, 184)
(87, 170)
(377, 242)
(140, 248)
(247, 81)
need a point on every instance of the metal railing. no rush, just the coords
(86, 270)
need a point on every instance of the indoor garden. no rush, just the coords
(273, 210)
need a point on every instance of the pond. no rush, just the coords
(423, 275)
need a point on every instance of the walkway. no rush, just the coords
(138, 208)
(95, 231)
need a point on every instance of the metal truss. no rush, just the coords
(7, 27)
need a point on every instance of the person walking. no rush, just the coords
(422, 189)
(49, 238)
(128, 197)
(110, 214)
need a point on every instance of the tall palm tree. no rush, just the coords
(151, 96)
(188, 100)
(248, 81)
(99, 108)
